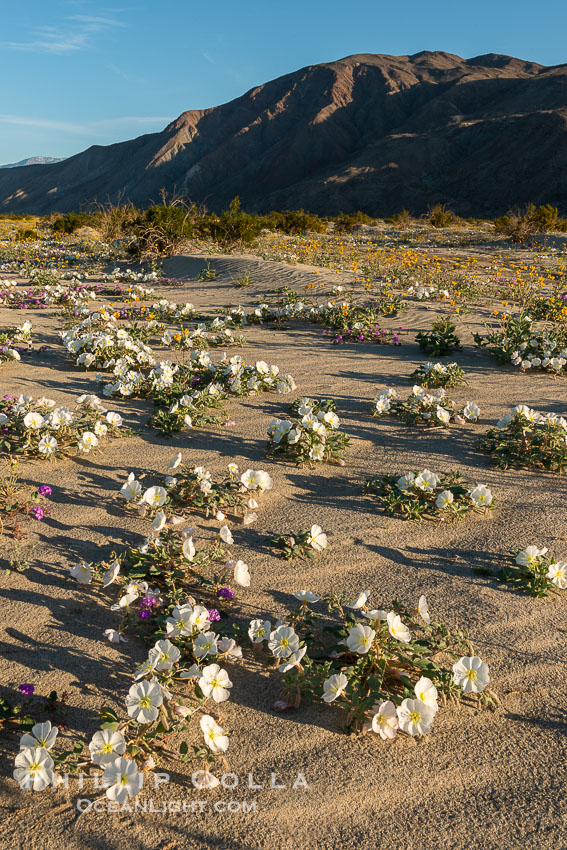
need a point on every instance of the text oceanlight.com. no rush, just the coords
(200, 780)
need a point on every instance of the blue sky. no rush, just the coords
(79, 72)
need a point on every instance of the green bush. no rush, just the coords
(72, 221)
(525, 223)
(295, 221)
(28, 233)
(346, 221)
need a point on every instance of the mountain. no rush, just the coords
(372, 132)
(34, 160)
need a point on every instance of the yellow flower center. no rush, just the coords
(472, 675)
(145, 702)
(415, 717)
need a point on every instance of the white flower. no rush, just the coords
(415, 717)
(283, 642)
(131, 489)
(106, 745)
(47, 445)
(205, 644)
(426, 691)
(557, 574)
(397, 629)
(426, 480)
(225, 535)
(306, 596)
(360, 639)
(385, 721)
(360, 601)
(471, 674)
(121, 779)
(481, 495)
(317, 452)
(33, 420)
(188, 549)
(228, 646)
(241, 573)
(180, 621)
(233, 468)
(200, 618)
(175, 462)
(34, 769)
(82, 573)
(169, 654)
(155, 496)
(471, 411)
(423, 610)
(215, 737)
(143, 702)
(444, 499)
(114, 636)
(215, 683)
(114, 419)
(443, 415)
(406, 481)
(293, 660)
(159, 522)
(334, 687)
(88, 441)
(317, 538)
(528, 556)
(259, 630)
(42, 735)
(110, 575)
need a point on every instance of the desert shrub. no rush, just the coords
(438, 216)
(26, 234)
(440, 340)
(72, 221)
(162, 229)
(400, 219)
(296, 221)
(522, 224)
(346, 221)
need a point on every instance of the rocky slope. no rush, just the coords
(370, 132)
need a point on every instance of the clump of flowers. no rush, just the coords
(301, 544)
(440, 340)
(528, 439)
(387, 669)
(433, 409)
(536, 572)
(439, 375)
(426, 495)
(194, 489)
(515, 340)
(310, 438)
(11, 341)
(39, 428)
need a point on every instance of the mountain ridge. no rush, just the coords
(368, 131)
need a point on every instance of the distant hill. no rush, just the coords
(372, 132)
(34, 160)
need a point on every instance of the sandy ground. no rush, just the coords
(488, 779)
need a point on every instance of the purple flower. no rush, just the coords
(44, 490)
(26, 690)
(225, 593)
(214, 615)
(144, 614)
(37, 512)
